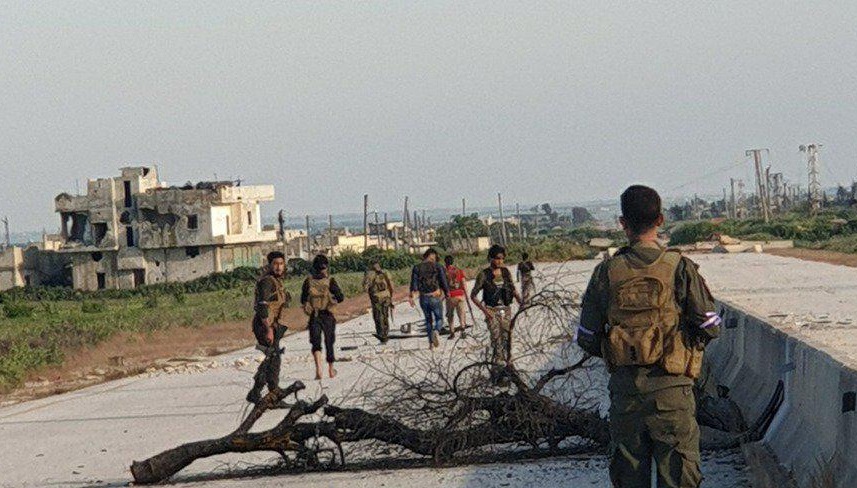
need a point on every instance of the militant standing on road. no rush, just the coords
(319, 296)
(525, 276)
(649, 314)
(378, 285)
(457, 301)
(498, 291)
(428, 279)
(270, 300)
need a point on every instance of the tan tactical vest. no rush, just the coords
(280, 301)
(644, 318)
(378, 288)
(319, 296)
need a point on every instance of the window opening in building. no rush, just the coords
(192, 222)
(128, 200)
(139, 277)
(129, 236)
(191, 251)
(99, 230)
(102, 280)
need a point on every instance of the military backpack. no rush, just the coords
(643, 318)
(320, 298)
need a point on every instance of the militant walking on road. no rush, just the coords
(457, 301)
(428, 281)
(270, 300)
(378, 285)
(498, 292)
(319, 296)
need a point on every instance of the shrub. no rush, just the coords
(15, 309)
(151, 301)
(690, 233)
(93, 307)
(179, 295)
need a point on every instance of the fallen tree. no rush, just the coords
(443, 407)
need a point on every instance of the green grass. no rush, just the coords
(809, 230)
(40, 333)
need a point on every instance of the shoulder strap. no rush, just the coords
(507, 275)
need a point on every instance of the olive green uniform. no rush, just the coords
(270, 300)
(379, 287)
(652, 411)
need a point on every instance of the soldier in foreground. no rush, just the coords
(319, 296)
(498, 292)
(649, 314)
(525, 276)
(270, 300)
(456, 304)
(378, 285)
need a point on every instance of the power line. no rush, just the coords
(715, 172)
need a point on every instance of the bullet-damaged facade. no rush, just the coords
(132, 230)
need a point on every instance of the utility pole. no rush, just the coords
(768, 189)
(503, 235)
(308, 242)
(6, 228)
(405, 217)
(416, 229)
(760, 184)
(813, 168)
(281, 220)
(366, 221)
(520, 224)
(732, 199)
(330, 232)
(463, 207)
(386, 226)
(377, 230)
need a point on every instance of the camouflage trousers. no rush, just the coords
(381, 316)
(660, 426)
(268, 372)
(500, 328)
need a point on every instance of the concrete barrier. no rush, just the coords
(813, 435)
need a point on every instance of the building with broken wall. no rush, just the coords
(131, 230)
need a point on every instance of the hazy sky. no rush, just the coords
(544, 101)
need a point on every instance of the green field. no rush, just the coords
(834, 230)
(36, 333)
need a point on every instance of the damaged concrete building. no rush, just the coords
(132, 230)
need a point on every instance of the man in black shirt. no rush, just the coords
(498, 291)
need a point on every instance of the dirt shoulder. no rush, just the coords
(128, 354)
(818, 255)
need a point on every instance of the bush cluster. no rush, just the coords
(792, 226)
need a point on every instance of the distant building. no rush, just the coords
(11, 267)
(133, 230)
(473, 244)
